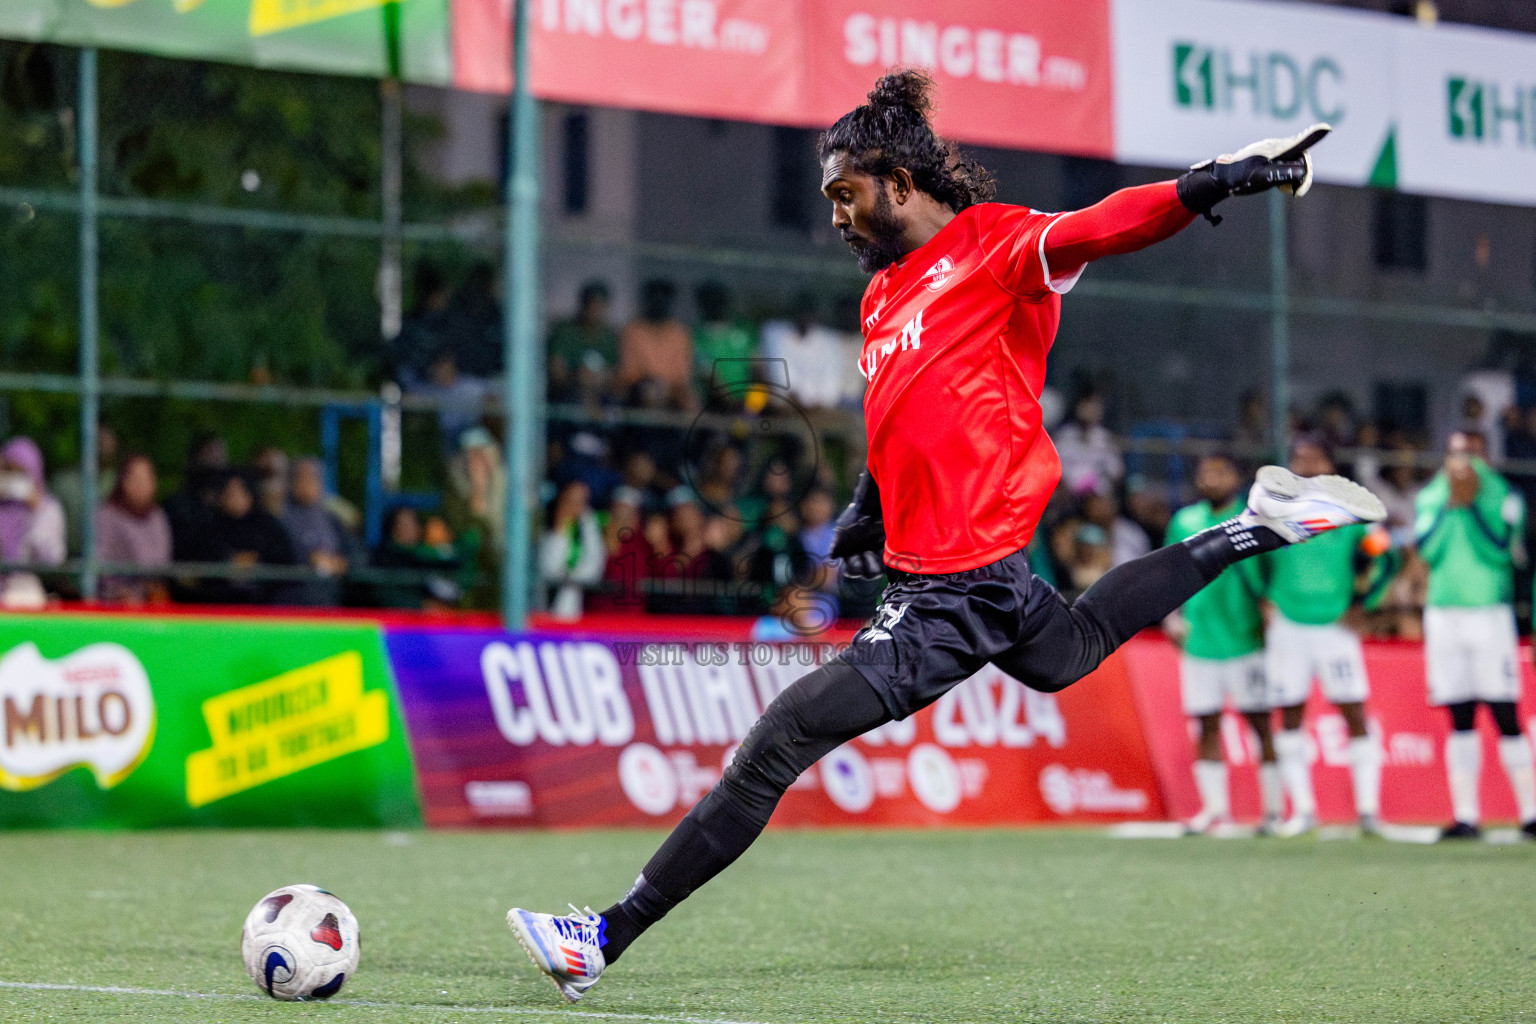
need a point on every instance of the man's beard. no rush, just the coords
(884, 246)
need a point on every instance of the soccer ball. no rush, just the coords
(299, 942)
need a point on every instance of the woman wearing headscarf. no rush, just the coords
(242, 534)
(131, 529)
(31, 523)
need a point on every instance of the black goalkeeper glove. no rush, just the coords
(858, 536)
(1271, 163)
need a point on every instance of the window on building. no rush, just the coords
(794, 178)
(1399, 231)
(576, 144)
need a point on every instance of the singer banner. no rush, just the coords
(572, 729)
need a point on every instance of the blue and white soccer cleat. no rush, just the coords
(568, 949)
(1298, 508)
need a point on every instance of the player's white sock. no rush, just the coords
(1515, 752)
(1291, 750)
(1365, 772)
(1211, 780)
(1271, 794)
(1463, 764)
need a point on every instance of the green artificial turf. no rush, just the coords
(809, 926)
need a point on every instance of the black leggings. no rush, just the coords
(1464, 716)
(834, 704)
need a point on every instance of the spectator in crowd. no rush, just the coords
(1091, 556)
(724, 533)
(1336, 419)
(771, 498)
(584, 457)
(190, 510)
(1396, 483)
(1086, 447)
(423, 332)
(809, 353)
(31, 523)
(817, 510)
(572, 554)
(421, 574)
(473, 325)
(1253, 424)
(585, 342)
(460, 398)
(1127, 541)
(132, 530)
(241, 534)
(641, 476)
(656, 353)
(68, 486)
(272, 477)
(319, 539)
(477, 498)
(629, 556)
(720, 479)
(723, 350)
(1148, 507)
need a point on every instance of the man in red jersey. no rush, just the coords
(957, 323)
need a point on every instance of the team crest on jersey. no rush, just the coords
(939, 274)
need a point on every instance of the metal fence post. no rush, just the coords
(523, 391)
(90, 370)
(1279, 326)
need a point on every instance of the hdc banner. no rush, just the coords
(1411, 734)
(140, 722)
(547, 729)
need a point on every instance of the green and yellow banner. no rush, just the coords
(136, 722)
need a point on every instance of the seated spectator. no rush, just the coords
(68, 486)
(1147, 505)
(586, 343)
(722, 475)
(132, 530)
(641, 476)
(1086, 447)
(31, 523)
(1091, 557)
(656, 348)
(272, 477)
(584, 457)
(572, 554)
(421, 568)
(319, 540)
(190, 509)
(770, 499)
(696, 571)
(810, 353)
(1127, 541)
(817, 511)
(628, 562)
(422, 331)
(242, 534)
(472, 325)
(475, 508)
(460, 398)
(723, 350)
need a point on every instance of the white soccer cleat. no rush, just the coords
(1298, 825)
(568, 949)
(1298, 508)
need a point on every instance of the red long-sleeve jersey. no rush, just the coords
(955, 342)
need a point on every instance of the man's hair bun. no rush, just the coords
(908, 89)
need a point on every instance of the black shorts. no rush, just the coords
(932, 631)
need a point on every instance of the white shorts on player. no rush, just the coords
(1207, 684)
(1471, 654)
(1296, 653)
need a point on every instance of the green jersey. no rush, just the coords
(1313, 582)
(722, 355)
(1224, 618)
(1469, 549)
(577, 344)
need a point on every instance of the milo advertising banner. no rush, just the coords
(127, 721)
(557, 729)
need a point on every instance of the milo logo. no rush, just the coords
(91, 709)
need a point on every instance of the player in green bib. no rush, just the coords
(1310, 591)
(1221, 633)
(1469, 523)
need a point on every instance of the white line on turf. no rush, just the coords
(118, 990)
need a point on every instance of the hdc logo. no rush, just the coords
(1475, 111)
(1276, 84)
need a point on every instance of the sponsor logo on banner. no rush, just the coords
(695, 24)
(959, 51)
(1273, 84)
(272, 729)
(1491, 112)
(91, 709)
(1070, 791)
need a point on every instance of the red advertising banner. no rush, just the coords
(1031, 74)
(572, 729)
(1411, 732)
